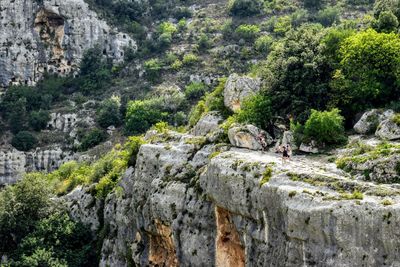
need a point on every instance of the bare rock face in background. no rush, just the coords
(238, 88)
(370, 120)
(52, 37)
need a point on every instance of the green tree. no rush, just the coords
(109, 113)
(141, 115)
(38, 119)
(24, 141)
(21, 206)
(92, 139)
(369, 71)
(244, 8)
(325, 127)
(387, 22)
(297, 75)
(256, 110)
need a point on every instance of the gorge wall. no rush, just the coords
(51, 36)
(185, 205)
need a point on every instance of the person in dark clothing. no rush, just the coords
(285, 153)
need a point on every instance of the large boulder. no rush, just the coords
(238, 88)
(310, 147)
(388, 129)
(207, 124)
(370, 120)
(247, 136)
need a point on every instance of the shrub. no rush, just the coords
(368, 74)
(92, 139)
(266, 176)
(24, 141)
(328, 16)
(153, 68)
(38, 119)
(387, 22)
(109, 113)
(141, 115)
(197, 112)
(195, 90)
(244, 8)
(283, 25)
(325, 127)
(263, 44)
(247, 32)
(190, 59)
(256, 110)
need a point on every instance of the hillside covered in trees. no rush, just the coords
(308, 69)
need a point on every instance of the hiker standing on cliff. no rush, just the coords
(285, 153)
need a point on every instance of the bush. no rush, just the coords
(283, 25)
(141, 115)
(247, 32)
(195, 90)
(153, 68)
(325, 127)
(244, 8)
(38, 119)
(24, 141)
(190, 59)
(387, 22)
(109, 114)
(328, 16)
(92, 139)
(263, 44)
(256, 110)
(368, 74)
(197, 112)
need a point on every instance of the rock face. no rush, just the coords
(388, 129)
(207, 124)
(51, 36)
(248, 136)
(225, 212)
(311, 147)
(370, 120)
(14, 163)
(239, 88)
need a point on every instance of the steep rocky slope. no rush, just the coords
(51, 36)
(184, 205)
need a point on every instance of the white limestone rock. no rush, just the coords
(207, 124)
(238, 88)
(370, 120)
(247, 136)
(388, 129)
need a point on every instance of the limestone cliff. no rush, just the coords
(185, 205)
(51, 36)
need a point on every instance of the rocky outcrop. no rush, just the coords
(184, 206)
(249, 136)
(310, 147)
(388, 129)
(239, 88)
(14, 163)
(207, 124)
(51, 36)
(369, 121)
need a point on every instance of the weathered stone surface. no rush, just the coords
(84, 206)
(180, 206)
(248, 136)
(207, 124)
(239, 88)
(14, 163)
(370, 120)
(287, 223)
(51, 36)
(388, 130)
(309, 147)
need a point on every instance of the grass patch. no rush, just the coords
(266, 176)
